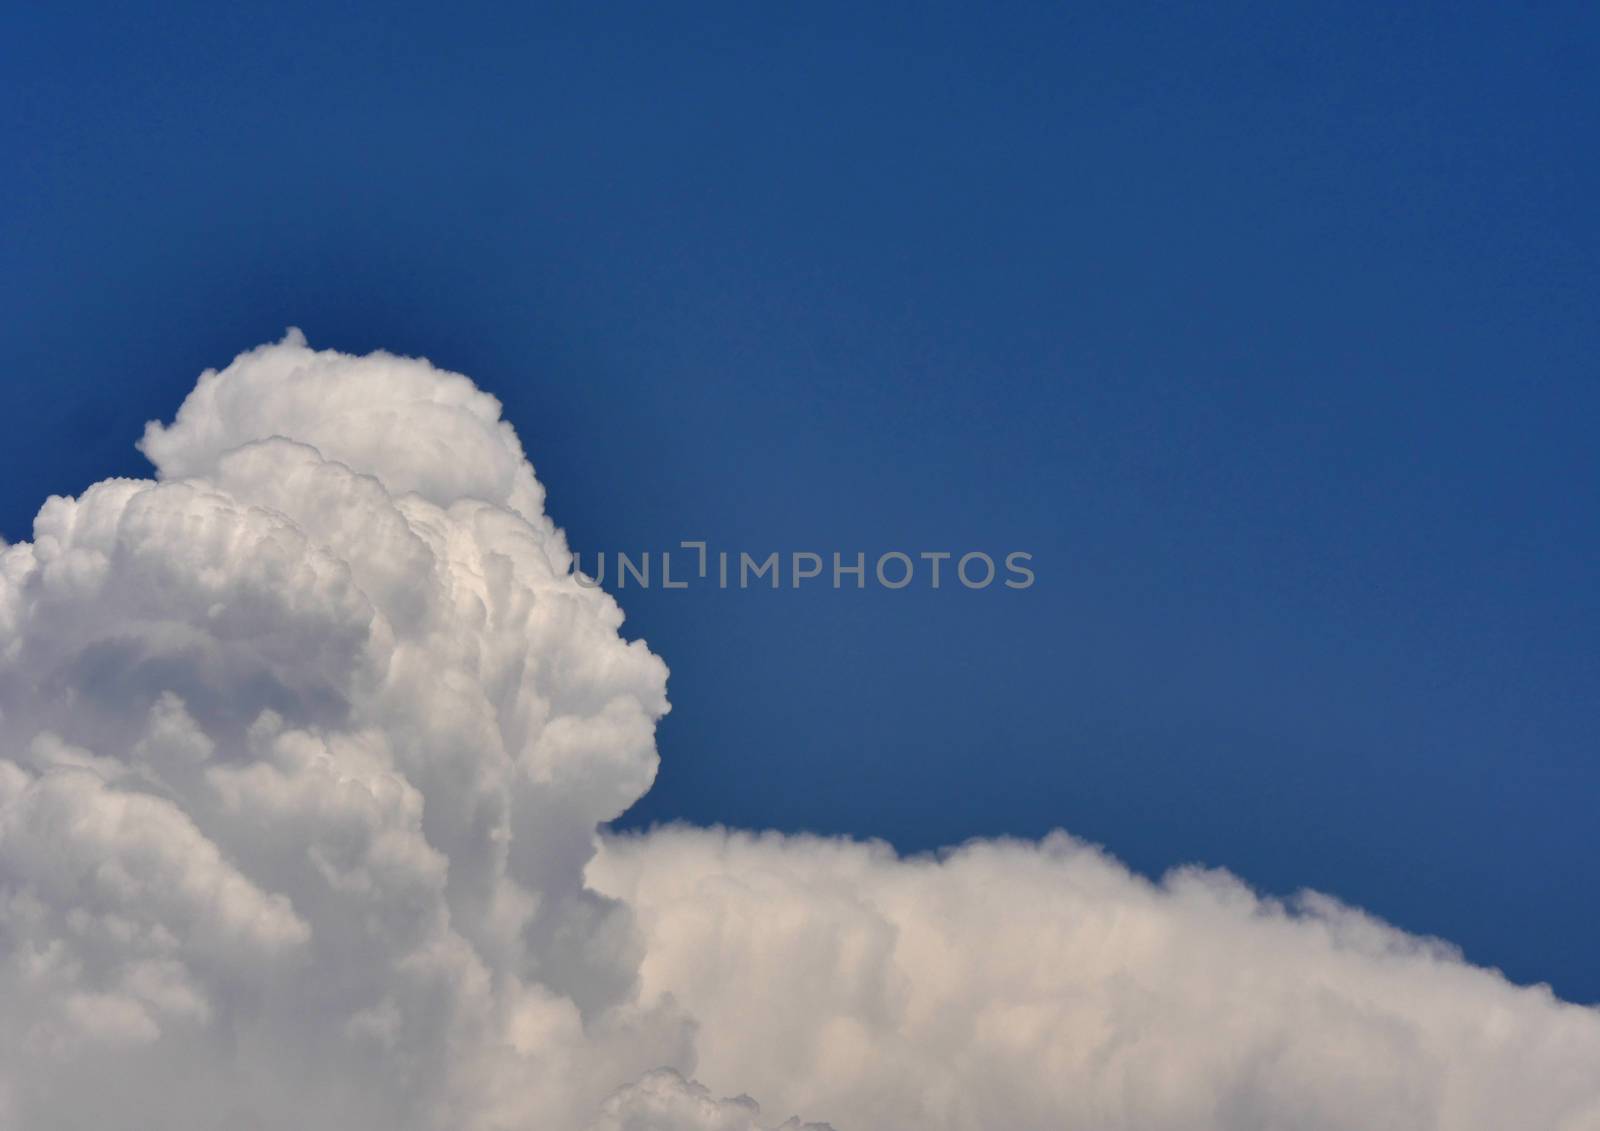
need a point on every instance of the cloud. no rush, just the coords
(664, 1101)
(1042, 985)
(303, 744)
(303, 747)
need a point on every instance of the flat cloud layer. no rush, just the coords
(303, 747)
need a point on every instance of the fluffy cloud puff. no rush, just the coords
(664, 1101)
(303, 744)
(303, 747)
(1042, 985)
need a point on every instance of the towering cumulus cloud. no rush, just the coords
(303, 748)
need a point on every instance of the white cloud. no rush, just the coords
(664, 1101)
(302, 749)
(1033, 986)
(303, 745)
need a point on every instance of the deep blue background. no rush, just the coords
(1270, 332)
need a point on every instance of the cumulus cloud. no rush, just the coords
(1042, 985)
(664, 1101)
(304, 743)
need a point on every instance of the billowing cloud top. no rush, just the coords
(416, 429)
(303, 747)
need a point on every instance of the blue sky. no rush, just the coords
(1269, 332)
